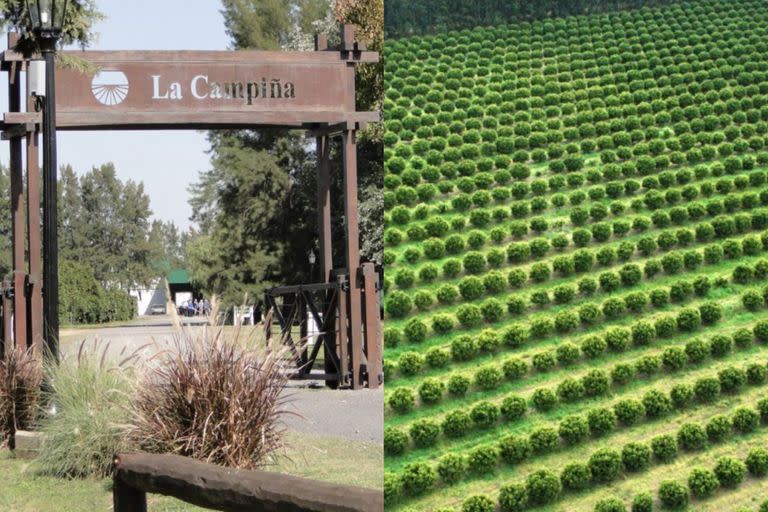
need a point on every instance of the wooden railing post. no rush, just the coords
(127, 499)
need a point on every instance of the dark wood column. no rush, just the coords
(324, 206)
(352, 253)
(17, 209)
(35, 284)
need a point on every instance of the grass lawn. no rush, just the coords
(307, 455)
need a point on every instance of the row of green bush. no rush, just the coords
(572, 430)
(482, 281)
(602, 467)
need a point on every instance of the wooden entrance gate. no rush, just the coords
(169, 90)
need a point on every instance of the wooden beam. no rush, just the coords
(233, 490)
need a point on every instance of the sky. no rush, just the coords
(166, 161)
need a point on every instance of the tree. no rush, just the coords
(247, 242)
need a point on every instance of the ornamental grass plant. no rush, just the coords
(85, 412)
(21, 373)
(212, 397)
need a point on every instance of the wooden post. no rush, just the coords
(324, 206)
(127, 499)
(352, 241)
(341, 330)
(34, 288)
(372, 321)
(17, 209)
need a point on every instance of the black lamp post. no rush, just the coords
(47, 20)
(312, 260)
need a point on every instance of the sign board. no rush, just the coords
(145, 89)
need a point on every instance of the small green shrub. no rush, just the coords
(543, 487)
(401, 400)
(514, 449)
(673, 495)
(664, 448)
(702, 482)
(452, 467)
(757, 462)
(610, 505)
(730, 471)
(417, 477)
(605, 465)
(456, 423)
(395, 441)
(636, 456)
(513, 498)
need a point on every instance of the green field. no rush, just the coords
(577, 263)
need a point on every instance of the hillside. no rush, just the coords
(577, 263)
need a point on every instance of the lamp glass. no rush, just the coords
(47, 15)
(312, 258)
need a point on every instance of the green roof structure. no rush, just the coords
(178, 276)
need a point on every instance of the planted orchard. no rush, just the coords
(577, 261)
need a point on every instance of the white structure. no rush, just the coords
(147, 298)
(243, 315)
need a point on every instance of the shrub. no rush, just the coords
(514, 368)
(720, 345)
(395, 441)
(401, 400)
(593, 346)
(573, 429)
(691, 436)
(417, 477)
(605, 465)
(642, 503)
(469, 315)
(452, 467)
(622, 374)
(731, 379)
(697, 350)
(601, 421)
(463, 348)
(431, 390)
(702, 482)
(688, 319)
(706, 389)
(515, 335)
(21, 374)
(596, 383)
(483, 459)
(610, 505)
(576, 476)
(456, 423)
(513, 498)
(514, 449)
(567, 353)
(730, 471)
(752, 300)
(570, 390)
(544, 361)
(410, 363)
(709, 312)
(760, 330)
(674, 358)
(629, 411)
(636, 456)
(392, 337)
(393, 487)
(745, 420)
(757, 462)
(398, 304)
(543, 487)
(673, 495)
(484, 414)
(757, 374)
(544, 399)
(441, 324)
(91, 401)
(488, 377)
(437, 357)
(664, 447)
(681, 395)
(424, 432)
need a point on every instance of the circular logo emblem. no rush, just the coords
(110, 87)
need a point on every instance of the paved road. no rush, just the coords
(354, 415)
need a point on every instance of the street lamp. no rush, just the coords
(312, 260)
(47, 18)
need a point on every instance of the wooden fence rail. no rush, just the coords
(230, 490)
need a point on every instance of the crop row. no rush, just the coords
(603, 467)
